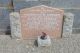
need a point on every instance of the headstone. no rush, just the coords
(68, 23)
(39, 19)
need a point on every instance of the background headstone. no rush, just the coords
(5, 9)
(65, 4)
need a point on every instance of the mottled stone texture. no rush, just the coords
(15, 25)
(68, 23)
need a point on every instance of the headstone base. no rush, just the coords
(45, 42)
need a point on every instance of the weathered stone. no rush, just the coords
(15, 25)
(68, 23)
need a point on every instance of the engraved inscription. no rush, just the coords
(41, 21)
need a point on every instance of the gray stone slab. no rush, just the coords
(5, 3)
(54, 3)
(23, 4)
(4, 19)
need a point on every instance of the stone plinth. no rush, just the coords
(68, 23)
(15, 25)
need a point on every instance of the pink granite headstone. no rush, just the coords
(38, 19)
